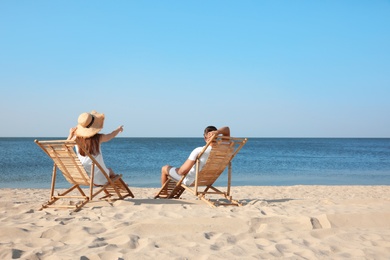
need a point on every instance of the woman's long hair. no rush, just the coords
(91, 144)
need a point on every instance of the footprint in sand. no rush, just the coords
(209, 235)
(16, 253)
(315, 223)
(98, 242)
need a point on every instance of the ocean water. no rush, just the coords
(262, 161)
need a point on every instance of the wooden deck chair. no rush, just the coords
(65, 159)
(221, 155)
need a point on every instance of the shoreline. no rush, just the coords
(293, 222)
(239, 183)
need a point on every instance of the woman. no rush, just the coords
(87, 134)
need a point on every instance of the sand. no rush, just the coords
(281, 222)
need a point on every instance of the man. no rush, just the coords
(188, 166)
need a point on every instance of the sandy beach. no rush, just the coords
(280, 222)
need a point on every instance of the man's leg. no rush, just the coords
(165, 173)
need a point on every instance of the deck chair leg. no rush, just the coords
(53, 181)
(124, 184)
(80, 205)
(116, 187)
(229, 178)
(120, 184)
(170, 190)
(53, 198)
(48, 203)
(208, 202)
(202, 196)
(176, 192)
(163, 192)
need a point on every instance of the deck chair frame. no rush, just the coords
(224, 149)
(65, 159)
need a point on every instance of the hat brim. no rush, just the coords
(87, 132)
(95, 128)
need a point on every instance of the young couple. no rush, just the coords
(87, 133)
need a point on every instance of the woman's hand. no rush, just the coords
(108, 137)
(72, 132)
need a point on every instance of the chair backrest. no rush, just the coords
(64, 157)
(222, 153)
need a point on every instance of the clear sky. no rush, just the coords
(170, 68)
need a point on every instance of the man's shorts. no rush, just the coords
(174, 174)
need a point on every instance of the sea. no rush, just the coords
(261, 162)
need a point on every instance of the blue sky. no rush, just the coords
(170, 68)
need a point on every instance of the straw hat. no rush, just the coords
(89, 124)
